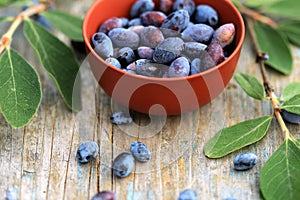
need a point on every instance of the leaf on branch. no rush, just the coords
(290, 91)
(250, 85)
(68, 24)
(20, 89)
(288, 9)
(280, 175)
(270, 41)
(58, 60)
(236, 137)
(292, 30)
(292, 105)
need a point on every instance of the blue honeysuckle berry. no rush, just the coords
(123, 165)
(245, 161)
(290, 117)
(87, 152)
(105, 195)
(207, 15)
(188, 194)
(140, 151)
(120, 118)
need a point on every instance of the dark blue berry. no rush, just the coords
(140, 151)
(177, 20)
(188, 194)
(102, 45)
(120, 118)
(199, 32)
(114, 62)
(140, 7)
(87, 152)
(179, 68)
(245, 161)
(122, 37)
(188, 5)
(149, 68)
(126, 55)
(105, 195)
(135, 22)
(154, 18)
(110, 24)
(168, 50)
(290, 117)
(123, 165)
(207, 15)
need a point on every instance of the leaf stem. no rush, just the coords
(32, 10)
(261, 58)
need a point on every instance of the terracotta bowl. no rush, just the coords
(159, 96)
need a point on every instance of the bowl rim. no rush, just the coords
(146, 78)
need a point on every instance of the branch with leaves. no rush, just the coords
(271, 25)
(20, 87)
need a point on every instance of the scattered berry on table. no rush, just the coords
(123, 165)
(141, 6)
(207, 15)
(105, 195)
(188, 194)
(87, 152)
(290, 117)
(188, 5)
(140, 151)
(120, 118)
(245, 161)
(102, 45)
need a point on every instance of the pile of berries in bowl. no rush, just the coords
(164, 56)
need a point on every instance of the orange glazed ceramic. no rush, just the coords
(160, 96)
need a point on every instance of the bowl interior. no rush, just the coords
(203, 85)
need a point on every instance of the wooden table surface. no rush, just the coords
(38, 161)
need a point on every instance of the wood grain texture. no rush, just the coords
(38, 161)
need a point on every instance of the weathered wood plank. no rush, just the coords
(38, 161)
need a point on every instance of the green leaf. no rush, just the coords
(259, 3)
(271, 42)
(292, 105)
(250, 85)
(287, 9)
(69, 25)
(292, 30)
(236, 137)
(290, 90)
(13, 2)
(6, 19)
(58, 60)
(20, 89)
(280, 175)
